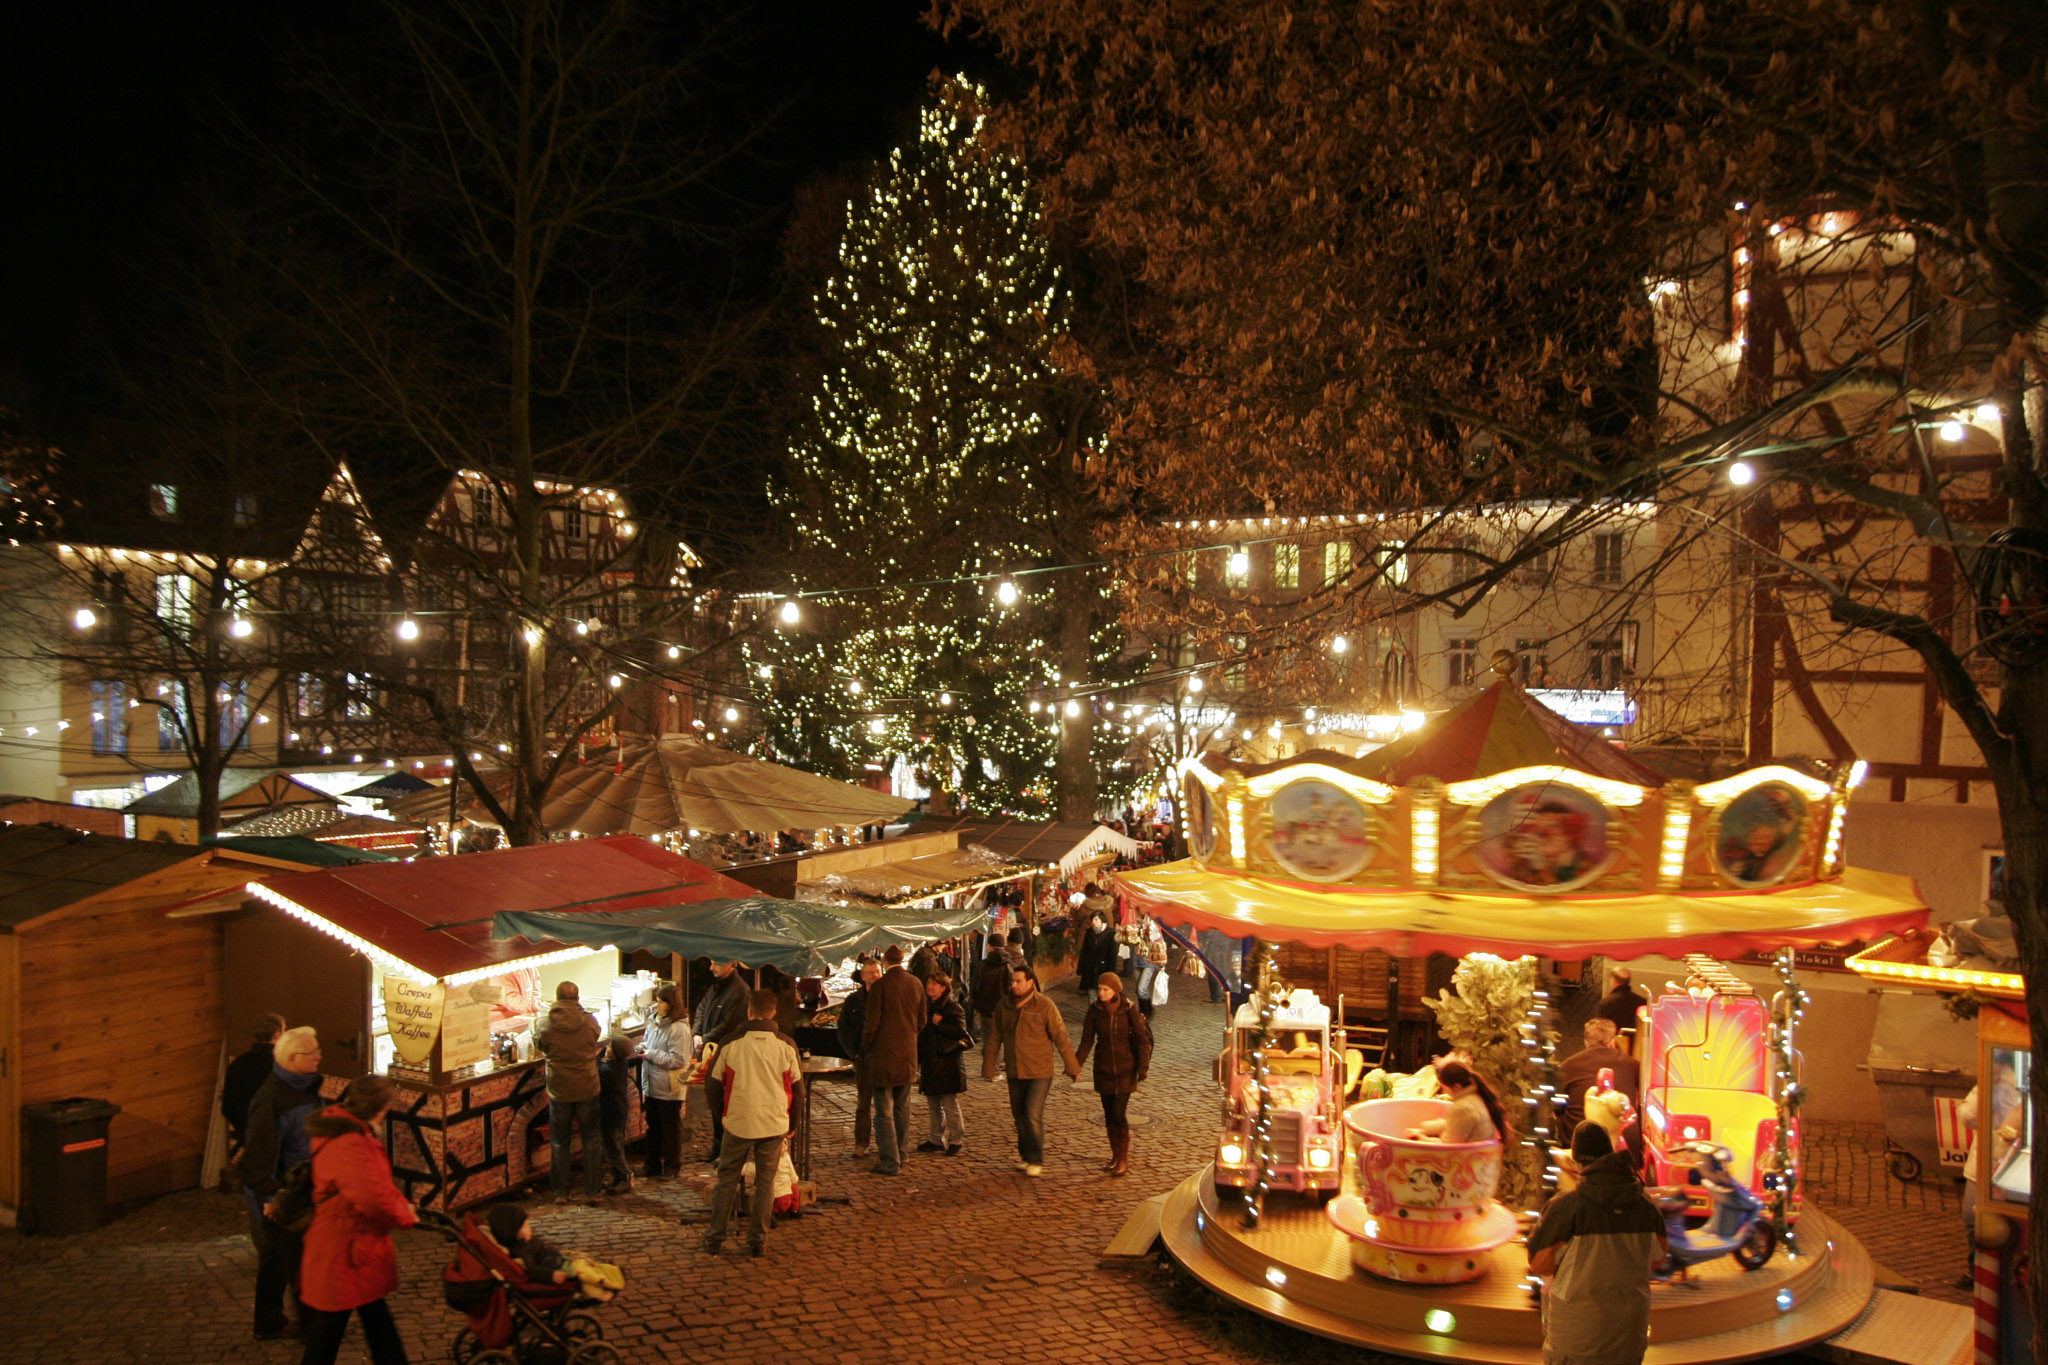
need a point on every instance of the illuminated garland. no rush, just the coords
(1270, 995)
(1783, 1179)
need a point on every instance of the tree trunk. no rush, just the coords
(1074, 775)
(2023, 823)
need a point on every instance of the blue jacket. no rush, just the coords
(275, 1138)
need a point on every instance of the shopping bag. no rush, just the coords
(1158, 989)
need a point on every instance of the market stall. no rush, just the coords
(1476, 841)
(2001, 1172)
(396, 965)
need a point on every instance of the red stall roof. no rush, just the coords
(434, 915)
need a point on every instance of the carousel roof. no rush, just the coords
(1502, 827)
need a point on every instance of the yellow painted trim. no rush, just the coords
(1480, 790)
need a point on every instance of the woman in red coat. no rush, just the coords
(350, 1264)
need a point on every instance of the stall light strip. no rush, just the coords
(500, 968)
(1237, 832)
(1923, 974)
(1482, 789)
(1831, 856)
(333, 930)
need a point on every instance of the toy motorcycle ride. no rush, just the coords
(1738, 1225)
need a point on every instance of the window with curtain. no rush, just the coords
(109, 716)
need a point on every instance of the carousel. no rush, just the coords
(1499, 832)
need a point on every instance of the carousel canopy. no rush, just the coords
(676, 783)
(1503, 828)
(802, 938)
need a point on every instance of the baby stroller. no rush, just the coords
(513, 1320)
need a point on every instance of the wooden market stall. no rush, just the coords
(105, 995)
(396, 966)
(2002, 1235)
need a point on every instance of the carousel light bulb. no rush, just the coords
(1006, 593)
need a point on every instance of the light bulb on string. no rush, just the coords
(1339, 645)
(1741, 473)
(731, 714)
(1006, 593)
(675, 651)
(531, 636)
(242, 628)
(791, 613)
(85, 618)
(615, 681)
(407, 629)
(1073, 707)
(1240, 562)
(945, 698)
(1195, 684)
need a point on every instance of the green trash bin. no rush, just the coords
(64, 1166)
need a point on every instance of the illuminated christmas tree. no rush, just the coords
(931, 465)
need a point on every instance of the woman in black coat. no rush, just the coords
(941, 1073)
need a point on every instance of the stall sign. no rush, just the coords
(412, 1014)
(465, 1033)
(1587, 707)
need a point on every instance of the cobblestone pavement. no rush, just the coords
(960, 1256)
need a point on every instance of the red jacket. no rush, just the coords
(349, 1258)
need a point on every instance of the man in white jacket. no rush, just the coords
(753, 1084)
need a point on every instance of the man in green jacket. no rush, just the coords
(1030, 1037)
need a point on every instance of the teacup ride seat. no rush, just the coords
(1424, 1212)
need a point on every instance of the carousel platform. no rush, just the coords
(1296, 1267)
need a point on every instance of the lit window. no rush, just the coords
(174, 603)
(163, 501)
(1287, 565)
(572, 523)
(234, 715)
(1393, 561)
(362, 697)
(1605, 662)
(245, 509)
(1336, 561)
(1535, 655)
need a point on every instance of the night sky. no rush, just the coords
(102, 109)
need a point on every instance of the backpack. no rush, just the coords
(292, 1206)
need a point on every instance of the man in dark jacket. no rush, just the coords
(851, 1012)
(1098, 947)
(245, 1076)
(567, 1035)
(1029, 1041)
(888, 1042)
(1597, 1246)
(1578, 1073)
(991, 980)
(275, 1142)
(1621, 1001)
(720, 1016)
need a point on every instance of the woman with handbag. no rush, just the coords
(665, 1048)
(1122, 1042)
(941, 1071)
(350, 1265)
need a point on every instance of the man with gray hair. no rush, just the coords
(275, 1141)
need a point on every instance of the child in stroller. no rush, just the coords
(525, 1305)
